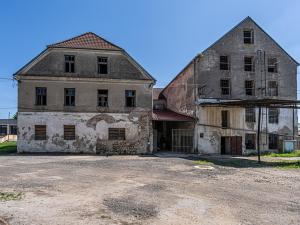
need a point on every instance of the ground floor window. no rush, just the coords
(116, 133)
(69, 132)
(3, 129)
(40, 132)
(273, 141)
(13, 129)
(250, 141)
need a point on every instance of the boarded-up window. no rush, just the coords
(40, 132)
(116, 133)
(250, 115)
(273, 141)
(69, 132)
(248, 64)
(273, 115)
(248, 36)
(250, 141)
(272, 65)
(41, 96)
(224, 62)
(225, 118)
(225, 86)
(272, 88)
(249, 87)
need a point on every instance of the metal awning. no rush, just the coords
(168, 115)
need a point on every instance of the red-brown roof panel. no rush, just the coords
(86, 41)
(168, 115)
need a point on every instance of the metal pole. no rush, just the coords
(258, 134)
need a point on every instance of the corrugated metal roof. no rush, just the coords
(8, 121)
(168, 115)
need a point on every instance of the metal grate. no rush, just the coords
(182, 140)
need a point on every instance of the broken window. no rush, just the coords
(272, 88)
(40, 132)
(103, 98)
(41, 96)
(248, 64)
(250, 141)
(248, 36)
(130, 98)
(69, 96)
(273, 115)
(69, 132)
(102, 65)
(3, 130)
(249, 87)
(273, 141)
(250, 115)
(224, 62)
(225, 86)
(272, 65)
(201, 90)
(69, 63)
(116, 133)
(225, 118)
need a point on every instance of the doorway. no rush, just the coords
(231, 145)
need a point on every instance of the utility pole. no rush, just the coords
(258, 134)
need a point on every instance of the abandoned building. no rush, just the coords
(245, 64)
(85, 95)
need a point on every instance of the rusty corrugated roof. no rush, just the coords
(168, 115)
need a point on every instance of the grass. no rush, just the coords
(203, 162)
(8, 147)
(290, 154)
(10, 196)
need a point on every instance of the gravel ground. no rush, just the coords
(168, 189)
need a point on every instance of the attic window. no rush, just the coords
(102, 65)
(69, 63)
(248, 36)
(272, 65)
(224, 62)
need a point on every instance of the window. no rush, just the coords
(130, 98)
(40, 132)
(273, 141)
(103, 98)
(250, 141)
(225, 118)
(69, 96)
(248, 64)
(69, 132)
(13, 129)
(116, 133)
(69, 63)
(249, 87)
(272, 88)
(225, 87)
(201, 90)
(272, 65)
(250, 115)
(248, 36)
(102, 65)
(273, 115)
(224, 62)
(41, 96)
(3, 130)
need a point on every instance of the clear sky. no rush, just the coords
(162, 35)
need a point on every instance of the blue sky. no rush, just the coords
(162, 35)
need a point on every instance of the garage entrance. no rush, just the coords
(231, 145)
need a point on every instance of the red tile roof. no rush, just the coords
(86, 41)
(168, 115)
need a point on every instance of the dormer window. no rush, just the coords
(248, 36)
(102, 65)
(69, 63)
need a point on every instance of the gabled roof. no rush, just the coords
(87, 40)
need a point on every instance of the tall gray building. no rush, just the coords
(87, 95)
(244, 64)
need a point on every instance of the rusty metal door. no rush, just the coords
(236, 145)
(182, 140)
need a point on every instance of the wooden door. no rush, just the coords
(236, 145)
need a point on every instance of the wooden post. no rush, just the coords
(258, 134)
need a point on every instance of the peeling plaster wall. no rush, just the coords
(211, 141)
(91, 132)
